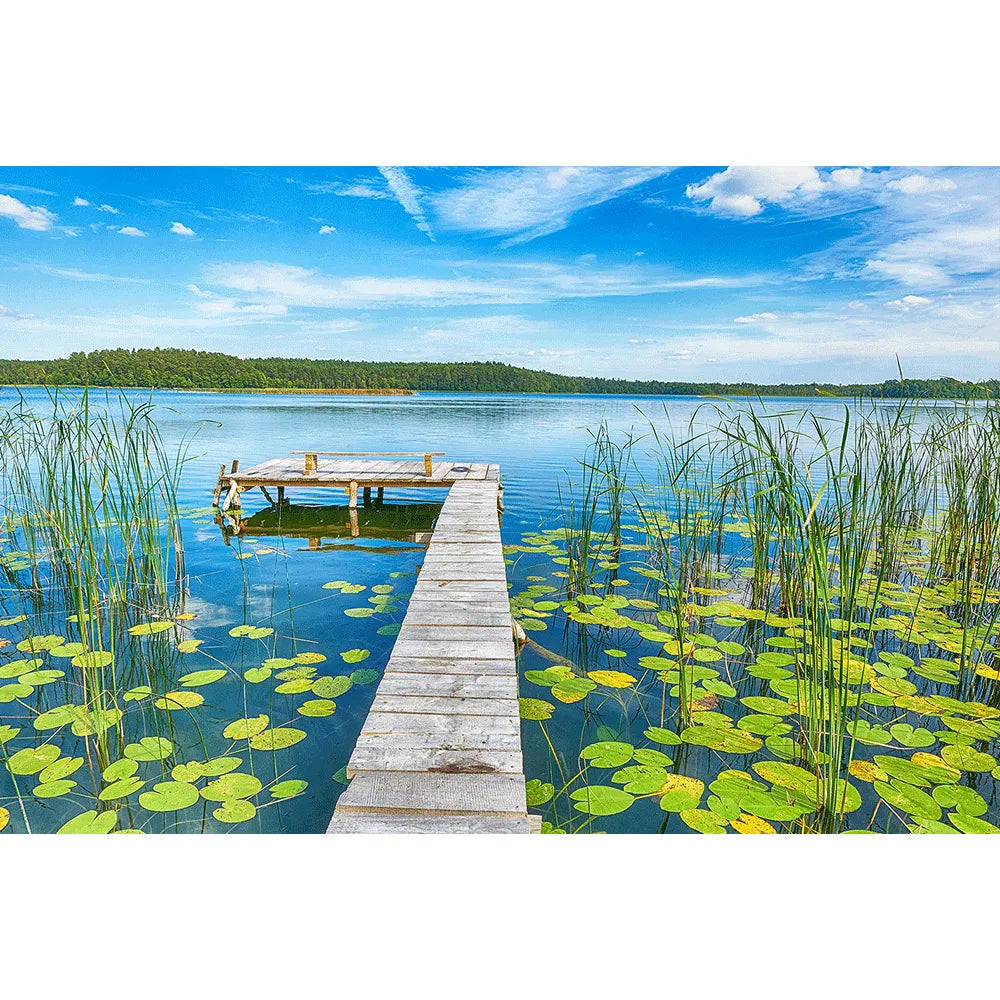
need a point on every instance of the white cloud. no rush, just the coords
(743, 191)
(33, 217)
(326, 230)
(107, 208)
(6, 313)
(529, 202)
(919, 184)
(79, 202)
(937, 257)
(181, 230)
(764, 317)
(482, 285)
(847, 177)
(221, 306)
(407, 195)
(908, 302)
(131, 231)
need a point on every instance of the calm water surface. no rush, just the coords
(537, 440)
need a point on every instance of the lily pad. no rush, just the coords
(967, 759)
(318, 708)
(355, 655)
(121, 789)
(150, 628)
(277, 739)
(31, 760)
(236, 785)
(243, 729)
(61, 768)
(286, 789)
(91, 822)
(607, 753)
(176, 701)
(236, 811)
(535, 709)
(53, 789)
(680, 793)
(601, 800)
(327, 687)
(150, 748)
(903, 732)
(200, 678)
(703, 821)
(538, 792)
(255, 675)
(169, 796)
(123, 768)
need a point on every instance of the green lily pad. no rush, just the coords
(364, 676)
(908, 798)
(297, 686)
(971, 824)
(538, 792)
(903, 732)
(277, 739)
(31, 760)
(681, 793)
(201, 677)
(254, 675)
(93, 660)
(607, 753)
(139, 693)
(61, 768)
(65, 650)
(150, 748)
(967, 801)
(243, 729)
(864, 732)
(53, 789)
(150, 628)
(121, 789)
(123, 768)
(175, 701)
(967, 759)
(189, 645)
(653, 757)
(327, 687)
(286, 789)
(236, 811)
(169, 796)
(601, 800)
(9, 692)
(236, 785)
(318, 708)
(40, 643)
(535, 709)
(91, 822)
(665, 737)
(355, 655)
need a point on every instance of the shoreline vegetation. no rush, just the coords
(179, 370)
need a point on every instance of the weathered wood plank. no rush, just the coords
(425, 722)
(453, 649)
(449, 665)
(448, 685)
(438, 739)
(404, 823)
(454, 633)
(389, 757)
(422, 792)
(419, 704)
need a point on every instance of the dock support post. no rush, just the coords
(427, 466)
(368, 496)
(281, 495)
(310, 463)
(378, 495)
(217, 492)
(500, 498)
(353, 513)
(352, 494)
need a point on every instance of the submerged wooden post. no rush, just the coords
(367, 496)
(281, 495)
(378, 495)
(217, 492)
(352, 493)
(353, 514)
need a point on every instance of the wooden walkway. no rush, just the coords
(440, 751)
(349, 474)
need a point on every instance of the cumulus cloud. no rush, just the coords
(919, 184)
(79, 202)
(326, 230)
(765, 317)
(34, 217)
(131, 231)
(107, 208)
(908, 302)
(743, 191)
(181, 230)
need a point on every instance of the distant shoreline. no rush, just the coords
(232, 392)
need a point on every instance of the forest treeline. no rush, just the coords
(173, 368)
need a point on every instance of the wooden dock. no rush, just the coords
(440, 751)
(351, 472)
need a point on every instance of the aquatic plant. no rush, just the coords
(819, 601)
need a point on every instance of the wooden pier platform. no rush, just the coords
(350, 472)
(440, 751)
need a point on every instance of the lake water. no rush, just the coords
(278, 581)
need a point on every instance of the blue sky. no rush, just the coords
(706, 273)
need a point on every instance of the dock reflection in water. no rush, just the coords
(410, 523)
